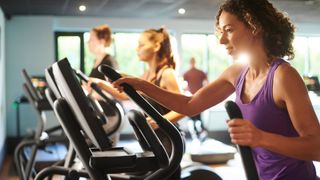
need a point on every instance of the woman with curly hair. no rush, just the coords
(279, 124)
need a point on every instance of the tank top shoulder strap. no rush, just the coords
(269, 82)
(274, 65)
(240, 80)
(159, 76)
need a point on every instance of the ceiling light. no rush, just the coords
(181, 11)
(82, 8)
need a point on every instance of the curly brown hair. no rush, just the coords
(276, 29)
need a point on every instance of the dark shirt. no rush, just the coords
(107, 60)
(95, 73)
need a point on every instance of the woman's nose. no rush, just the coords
(223, 39)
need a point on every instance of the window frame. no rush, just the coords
(58, 34)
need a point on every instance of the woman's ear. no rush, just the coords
(157, 47)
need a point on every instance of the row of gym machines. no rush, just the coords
(89, 134)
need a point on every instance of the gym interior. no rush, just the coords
(44, 41)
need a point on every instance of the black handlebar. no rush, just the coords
(137, 98)
(245, 151)
(94, 86)
(171, 130)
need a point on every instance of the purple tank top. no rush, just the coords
(265, 115)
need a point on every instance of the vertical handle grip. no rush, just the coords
(245, 151)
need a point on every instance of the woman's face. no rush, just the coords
(94, 43)
(235, 35)
(146, 49)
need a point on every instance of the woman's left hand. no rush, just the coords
(243, 132)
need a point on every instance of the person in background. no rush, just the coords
(196, 79)
(100, 39)
(279, 122)
(154, 48)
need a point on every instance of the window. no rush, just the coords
(300, 45)
(314, 56)
(219, 60)
(194, 45)
(69, 45)
(126, 55)
(210, 55)
(74, 46)
(307, 55)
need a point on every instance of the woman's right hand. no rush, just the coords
(136, 83)
(95, 80)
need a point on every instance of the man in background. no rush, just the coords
(196, 78)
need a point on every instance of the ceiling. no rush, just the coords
(298, 10)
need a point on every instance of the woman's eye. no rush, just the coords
(228, 30)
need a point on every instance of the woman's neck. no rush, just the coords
(153, 64)
(259, 64)
(99, 57)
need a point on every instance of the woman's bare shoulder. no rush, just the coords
(286, 73)
(232, 73)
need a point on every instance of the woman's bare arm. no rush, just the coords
(206, 97)
(289, 87)
(107, 87)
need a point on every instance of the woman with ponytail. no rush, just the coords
(154, 48)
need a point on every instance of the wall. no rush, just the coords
(2, 88)
(30, 45)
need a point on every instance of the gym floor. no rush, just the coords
(224, 170)
(8, 173)
(4, 173)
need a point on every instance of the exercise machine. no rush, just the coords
(45, 147)
(207, 150)
(249, 165)
(100, 160)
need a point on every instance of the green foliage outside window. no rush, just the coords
(69, 46)
(300, 45)
(193, 45)
(210, 55)
(314, 55)
(126, 54)
(219, 60)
